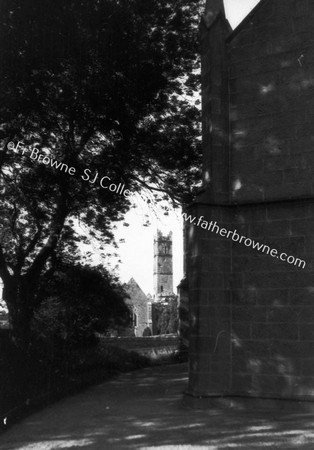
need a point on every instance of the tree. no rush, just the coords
(168, 317)
(78, 301)
(101, 87)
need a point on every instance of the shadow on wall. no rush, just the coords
(269, 375)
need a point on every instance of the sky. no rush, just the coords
(237, 10)
(136, 253)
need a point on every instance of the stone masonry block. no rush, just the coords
(302, 296)
(285, 331)
(249, 314)
(308, 367)
(275, 298)
(218, 297)
(306, 332)
(241, 384)
(306, 314)
(282, 314)
(245, 296)
(241, 330)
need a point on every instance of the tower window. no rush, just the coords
(161, 288)
(149, 312)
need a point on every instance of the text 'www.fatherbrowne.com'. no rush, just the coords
(214, 228)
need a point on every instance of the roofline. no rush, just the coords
(219, 16)
(247, 18)
(133, 281)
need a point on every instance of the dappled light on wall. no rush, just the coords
(207, 176)
(235, 340)
(273, 145)
(266, 89)
(236, 186)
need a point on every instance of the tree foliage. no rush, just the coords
(78, 301)
(165, 316)
(99, 85)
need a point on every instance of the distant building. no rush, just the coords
(163, 267)
(150, 313)
(164, 307)
(140, 307)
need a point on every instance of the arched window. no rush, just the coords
(134, 318)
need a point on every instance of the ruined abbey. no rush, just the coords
(146, 310)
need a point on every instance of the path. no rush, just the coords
(143, 411)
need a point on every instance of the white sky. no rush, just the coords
(137, 253)
(236, 10)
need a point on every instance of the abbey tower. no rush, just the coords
(163, 268)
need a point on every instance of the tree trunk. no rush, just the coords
(19, 298)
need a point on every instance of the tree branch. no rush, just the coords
(34, 241)
(4, 272)
(52, 241)
(154, 188)
(22, 255)
(86, 137)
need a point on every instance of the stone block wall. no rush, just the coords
(145, 345)
(251, 314)
(271, 103)
(208, 268)
(272, 303)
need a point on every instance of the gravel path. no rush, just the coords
(143, 411)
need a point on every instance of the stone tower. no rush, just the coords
(163, 271)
